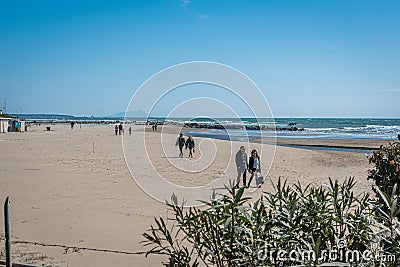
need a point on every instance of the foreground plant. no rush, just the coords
(292, 225)
(386, 171)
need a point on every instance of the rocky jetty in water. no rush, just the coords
(220, 126)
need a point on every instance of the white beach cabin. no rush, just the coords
(4, 124)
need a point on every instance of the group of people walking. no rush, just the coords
(119, 129)
(188, 144)
(253, 166)
(243, 163)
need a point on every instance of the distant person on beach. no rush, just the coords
(180, 142)
(254, 165)
(120, 128)
(72, 124)
(241, 166)
(116, 129)
(190, 145)
(153, 127)
(130, 130)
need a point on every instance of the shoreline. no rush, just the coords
(318, 143)
(345, 144)
(366, 145)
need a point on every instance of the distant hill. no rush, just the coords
(130, 114)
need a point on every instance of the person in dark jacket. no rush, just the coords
(190, 145)
(180, 142)
(254, 165)
(241, 166)
(120, 128)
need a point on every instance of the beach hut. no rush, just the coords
(4, 125)
(17, 125)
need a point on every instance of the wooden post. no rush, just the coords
(7, 232)
(93, 146)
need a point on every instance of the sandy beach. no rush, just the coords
(73, 187)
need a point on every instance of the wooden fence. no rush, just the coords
(8, 261)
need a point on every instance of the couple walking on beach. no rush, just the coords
(253, 166)
(119, 129)
(188, 144)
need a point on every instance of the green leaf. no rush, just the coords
(227, 222)
(239, 195)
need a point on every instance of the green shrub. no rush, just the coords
(386, 172)
(4, 115)
(303, 221)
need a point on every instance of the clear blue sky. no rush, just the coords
(311, 58)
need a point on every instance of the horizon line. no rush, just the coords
(185, 117)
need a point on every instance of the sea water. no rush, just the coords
(327, 128)
(308, 128)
